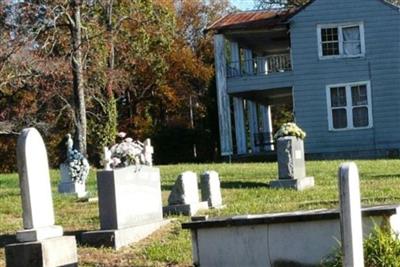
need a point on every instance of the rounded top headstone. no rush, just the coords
(34, 177)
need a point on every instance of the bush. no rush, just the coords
(381, 249)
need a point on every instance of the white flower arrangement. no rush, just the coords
(290, 129)
(126, 153)
(78, 166)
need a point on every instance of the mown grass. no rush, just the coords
(244, 190)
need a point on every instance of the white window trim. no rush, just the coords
(349, 106)
(340, 26)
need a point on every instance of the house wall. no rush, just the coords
(380, 65)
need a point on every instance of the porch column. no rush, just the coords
(253, 124)
(248, 62)
(224, 113)
(235, 60)
(267, 125)
(240, 130)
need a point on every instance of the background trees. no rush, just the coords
(144, 65)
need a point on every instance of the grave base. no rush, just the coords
(121, 237)
(185, 209)
(298, 184)
(52, 252)
(68, 186)
(38, 234)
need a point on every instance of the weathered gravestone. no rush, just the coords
(43, 243)
(291, 165)
(130, 206)
(184, 197)
(350, 215)
(211, 189)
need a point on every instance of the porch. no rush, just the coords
(252, 124)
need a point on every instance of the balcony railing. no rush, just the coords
(259, 66)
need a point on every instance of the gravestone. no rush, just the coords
(350, 215)
(130, 206)
(291, 165)
(184, 196)
(211, 189)
(40, 234)
(74, 172)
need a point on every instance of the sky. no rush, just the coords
(243, 4)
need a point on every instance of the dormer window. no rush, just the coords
(341, 40)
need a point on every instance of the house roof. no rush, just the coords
(252, 19)
(257, 19)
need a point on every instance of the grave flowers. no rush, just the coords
(290, 129)
(78, 166)
(128, 152)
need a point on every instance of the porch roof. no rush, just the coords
(252, 20)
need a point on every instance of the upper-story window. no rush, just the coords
(341, 40)
(349, 106)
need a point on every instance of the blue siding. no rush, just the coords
(381, 66)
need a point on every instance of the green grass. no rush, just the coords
(244, 190)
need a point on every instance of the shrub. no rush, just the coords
(381, 249)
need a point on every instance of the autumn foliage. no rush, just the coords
(148, 59)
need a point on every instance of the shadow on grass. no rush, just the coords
(229, 185)
(6, 240)
(384, 176)
(166, 187)
(241, 184)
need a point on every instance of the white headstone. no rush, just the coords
(185, 190)
(350, 215)
(211, 189)
(34, 178)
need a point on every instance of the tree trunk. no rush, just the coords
(111, 55)
(78, 85)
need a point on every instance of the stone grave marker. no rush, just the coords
(39, 234)
(211, 189)
(184, 197)
(130, 206)
(350, 215)
(74, 172)
(291, 165)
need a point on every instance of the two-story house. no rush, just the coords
(336, 61)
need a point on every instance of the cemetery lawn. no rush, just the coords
(244, 190)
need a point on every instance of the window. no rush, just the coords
(349, 106)
(341, 40)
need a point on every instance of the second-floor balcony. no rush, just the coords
(259, 66)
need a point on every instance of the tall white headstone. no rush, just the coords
(350, 215)
(34, 178)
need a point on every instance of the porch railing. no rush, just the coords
(263, 139)
(259, 66)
